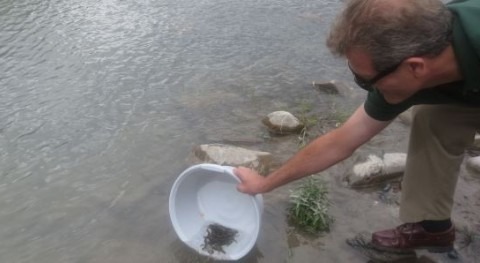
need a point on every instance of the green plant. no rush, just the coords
(309, 120)
(303, 137)
(304, 114)
(341, 115)
(338, 113)
(309, 207)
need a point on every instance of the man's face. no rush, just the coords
(396, 83)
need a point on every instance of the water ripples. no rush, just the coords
(95, 94)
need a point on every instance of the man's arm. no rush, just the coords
(317, 156)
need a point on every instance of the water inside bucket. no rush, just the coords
(206, 194)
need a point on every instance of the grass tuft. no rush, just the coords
(309, 207)
(308, 119)
(338, 113)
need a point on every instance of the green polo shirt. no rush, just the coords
(466, 45)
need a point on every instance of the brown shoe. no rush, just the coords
(413, 236)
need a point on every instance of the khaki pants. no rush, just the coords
(438, 138)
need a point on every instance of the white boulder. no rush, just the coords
(375, 170)
(473, 164)
(233, 156)
(282, 122)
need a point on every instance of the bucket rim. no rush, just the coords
(256, 200)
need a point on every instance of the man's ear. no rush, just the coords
(417, 66)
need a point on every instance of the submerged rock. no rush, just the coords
(338, 88)
(376, 171)
(223, 154)
(329, 87)
(282, 122)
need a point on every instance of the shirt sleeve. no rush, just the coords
(379, 109)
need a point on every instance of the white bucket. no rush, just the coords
(205, 194)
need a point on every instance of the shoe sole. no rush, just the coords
(406, 250)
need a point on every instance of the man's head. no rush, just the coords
(381, 37)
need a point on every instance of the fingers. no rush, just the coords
(241, 188)
(239, 172)
(250, 181)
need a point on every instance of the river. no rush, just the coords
(102, 102)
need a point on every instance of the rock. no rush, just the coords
(473, 164)
(373, 165)
(376, 171)
(390, 194)
(340, 88)
(394, 163)
(282, 122)
(476, 143)
(329, 87)
(233, 156)
(406, 117)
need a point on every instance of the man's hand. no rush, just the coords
(251, 182)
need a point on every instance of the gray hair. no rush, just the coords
(392, 30)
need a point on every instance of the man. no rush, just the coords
(404, 53)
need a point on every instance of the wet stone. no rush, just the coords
(376, 171)
(230, 155)
(453, 254)
(473, 164)
(282, 123)
(390, 194)
(217, 237)
(329, 87)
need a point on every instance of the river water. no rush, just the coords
(102, 101)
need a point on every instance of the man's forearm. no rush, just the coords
(317, 156)
(327, 150)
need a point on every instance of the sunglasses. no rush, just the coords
(368, 84)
